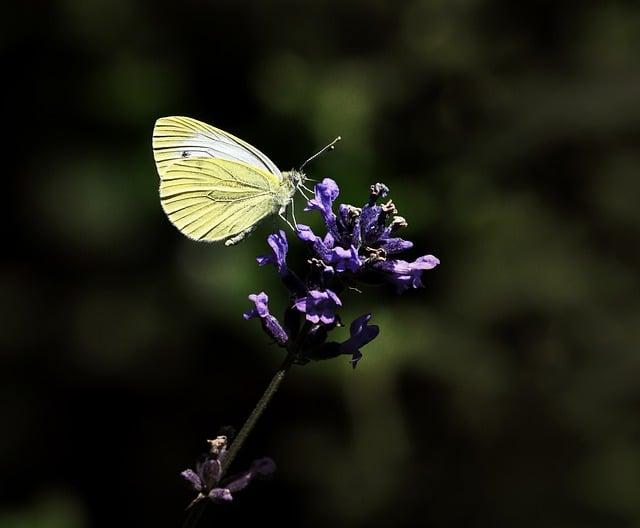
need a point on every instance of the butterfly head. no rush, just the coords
(297, 178)
(293, 181)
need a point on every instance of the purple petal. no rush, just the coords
(279, 248)
(361, 334)
(305, 233)
(331, 187)
(263, 260)
(369, 224)
(426, 262)
(301, 305)
(345, 213)
(396, 245)
(344, 259)
(333, 297)
(263, 466)
(209, 473)
(319, 306)
(405, 274)
(241, 481)
(329, 240)
(273, 327)
(220, 495)
(325, 194)
(317, 295)
(261, 308)
(356, 233)
(190, 476)
(327, 317)
(269, 323)
(319, 247)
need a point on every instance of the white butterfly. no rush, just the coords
(213, 185)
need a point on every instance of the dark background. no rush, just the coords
(506, 393)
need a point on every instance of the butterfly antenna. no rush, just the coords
(330, 146)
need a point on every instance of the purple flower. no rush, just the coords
(318, 245)
(340, 258)
(319, 306)
(205, 480)
(405, 274)
(306, 234)
(261, 308)
(193, 478)
(220, 495)
(263, 467)
(325, 194)
(350, 225)
(278, 256)
(395, 245)
(344, 259)
(361, 334)
(369, 223)
(205, 477)
(269, 323)
(359, 244)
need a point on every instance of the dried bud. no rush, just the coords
(389, 208)
(378, 190)
(398, 222)
(353, 212)
(376, 255)
(217, 446)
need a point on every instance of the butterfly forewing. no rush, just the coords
(177, 138)
(214, 199)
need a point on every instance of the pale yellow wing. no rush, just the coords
(215, 199)
(178, 137)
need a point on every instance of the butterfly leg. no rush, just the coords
(303, 186)
(293, 213)
(281, 215)
(239, 237)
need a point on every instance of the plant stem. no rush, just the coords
(260, 407)
(195, 512)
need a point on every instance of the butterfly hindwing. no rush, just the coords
(213, 199)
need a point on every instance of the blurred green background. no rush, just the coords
(507, 393)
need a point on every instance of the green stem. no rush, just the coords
(195, 512)
(258, 410)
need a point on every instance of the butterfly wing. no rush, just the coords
(177, 138)
(213, 199)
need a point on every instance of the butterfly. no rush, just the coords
(216, 187)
